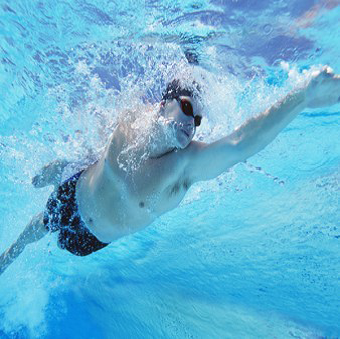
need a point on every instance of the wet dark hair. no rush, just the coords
(174, 90)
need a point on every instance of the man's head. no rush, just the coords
(180, 107)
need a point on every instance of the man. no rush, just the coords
(123, 192)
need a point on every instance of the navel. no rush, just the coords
(141, 204)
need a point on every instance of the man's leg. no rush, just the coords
(34, 231)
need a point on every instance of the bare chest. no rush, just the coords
(122, 203)
(158, 198)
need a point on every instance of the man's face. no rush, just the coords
(183, 115)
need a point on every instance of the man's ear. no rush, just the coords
(162, 103)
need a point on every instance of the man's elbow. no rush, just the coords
(244, 149)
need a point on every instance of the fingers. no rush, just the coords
(328, 70)
(325, 71)
(37, 181)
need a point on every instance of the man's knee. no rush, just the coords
(40, 230)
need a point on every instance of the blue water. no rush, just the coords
(251, 254)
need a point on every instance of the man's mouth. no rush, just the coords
(185, 132)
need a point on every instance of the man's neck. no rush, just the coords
(161, 154)
(159, 143)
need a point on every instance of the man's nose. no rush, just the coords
(190, 123)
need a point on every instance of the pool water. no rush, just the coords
(251, 254)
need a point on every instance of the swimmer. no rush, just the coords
(105, 201)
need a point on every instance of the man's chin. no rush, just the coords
(182, 143)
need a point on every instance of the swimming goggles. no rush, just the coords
(187, 109)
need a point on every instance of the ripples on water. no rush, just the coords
(253, 253)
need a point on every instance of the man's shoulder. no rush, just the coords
(187, 157)
(193, 148)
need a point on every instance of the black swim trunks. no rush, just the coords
(62, 215)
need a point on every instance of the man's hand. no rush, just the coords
(50, 174)
(324, 89)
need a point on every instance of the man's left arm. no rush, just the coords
(207, 161)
